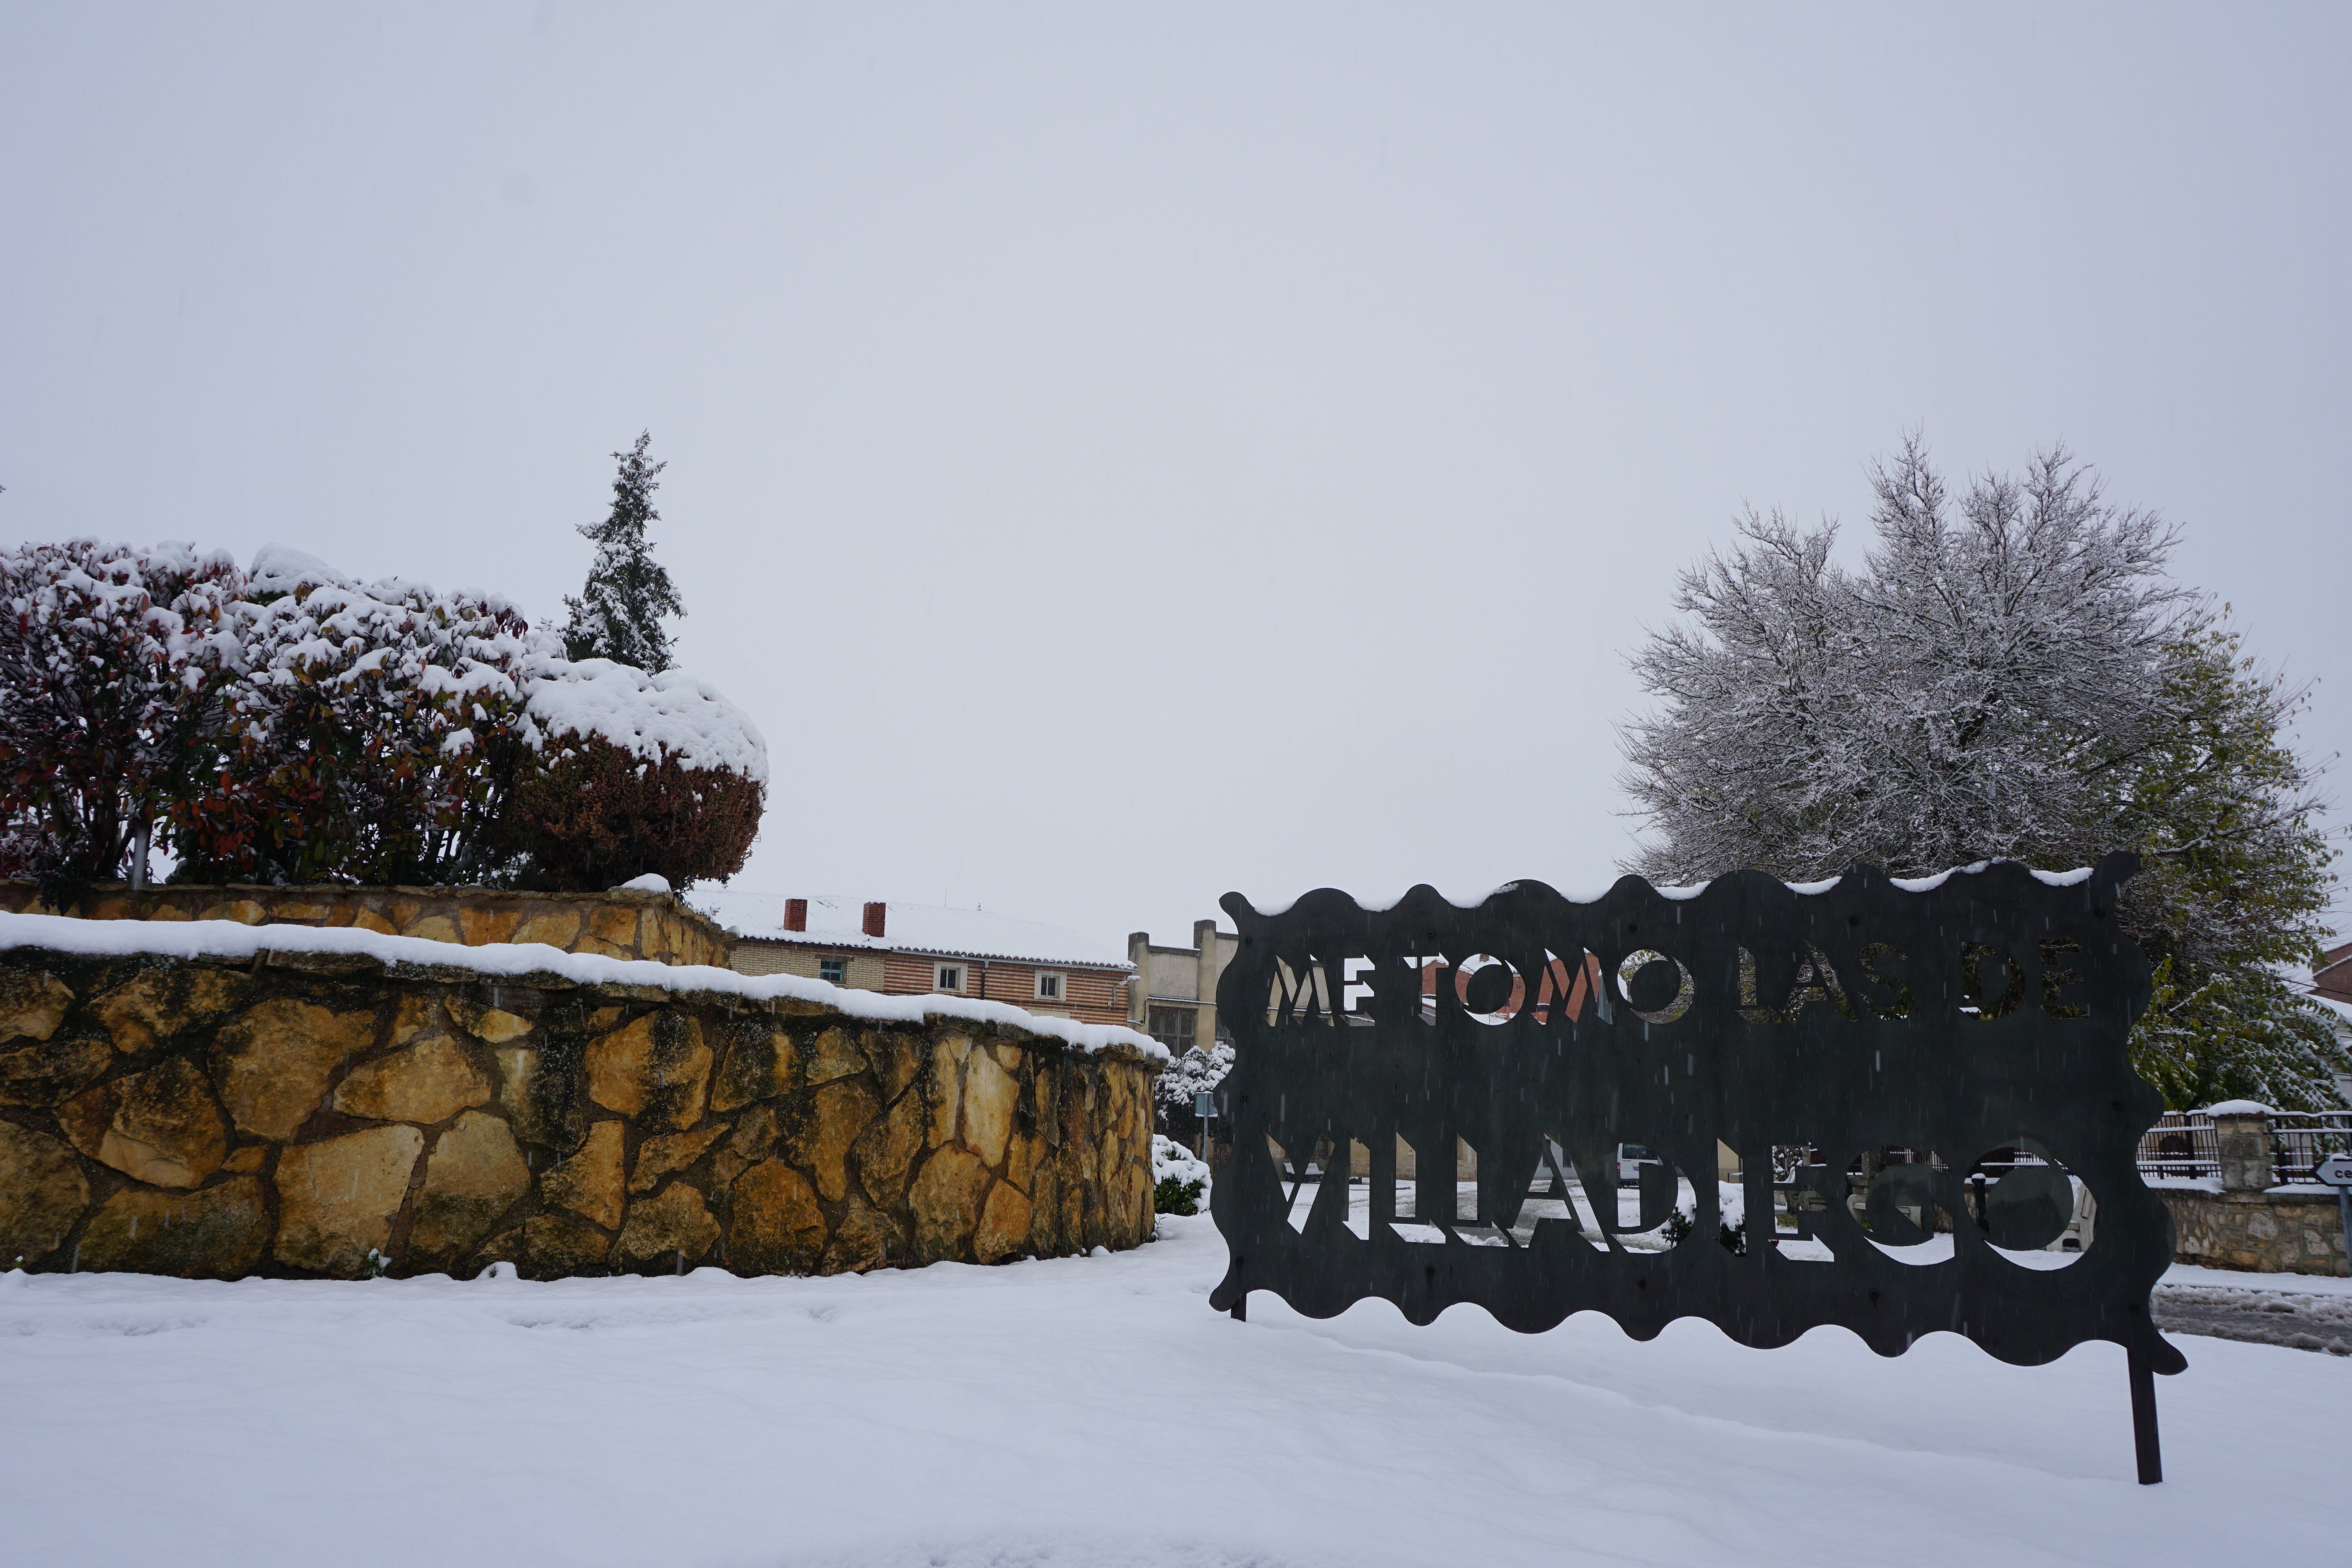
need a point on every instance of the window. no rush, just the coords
(1049, 988)
(949, 977)
(1174, 1027)
(833, 971)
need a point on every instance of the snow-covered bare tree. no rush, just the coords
(2008, 674)
(618, 616)
(1958, 699)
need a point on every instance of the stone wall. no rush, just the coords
(2243, 1221)
(339, 1114)
(2288, 1230)
(616, 924)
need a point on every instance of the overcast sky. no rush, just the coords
(1121, 453)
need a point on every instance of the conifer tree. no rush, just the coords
(2233, 896)
(618, 615)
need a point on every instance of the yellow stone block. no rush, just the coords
(558, 929)
(336, 1199)
(617, 925)
(485, 1023)
(589, 1183)
(485, 926)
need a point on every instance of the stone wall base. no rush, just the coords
(2266, 1233)
(332, 1116)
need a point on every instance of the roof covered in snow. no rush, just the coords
(835, 922)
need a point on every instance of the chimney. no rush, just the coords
(874, 918)
(796, 914)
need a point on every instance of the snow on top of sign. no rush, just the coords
(1587, 895)
(227, 938)
(838, 922)
(2074, 878)
(650, 716)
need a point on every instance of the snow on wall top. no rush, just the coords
(838, 922)
(650, 716)
(228, 939)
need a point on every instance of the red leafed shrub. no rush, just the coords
(111, 662)
(594, 815)
(370, 736)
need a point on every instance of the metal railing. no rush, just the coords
(2300, 1139)
(2181, 1144)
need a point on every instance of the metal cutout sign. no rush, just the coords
(1535, 1098)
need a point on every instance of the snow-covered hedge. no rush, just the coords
(291, 724)
(110, 659)
(636, 773)
(669, 717)
(374, 732)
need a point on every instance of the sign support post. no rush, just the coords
(2144, 1448)
(2335, 1171)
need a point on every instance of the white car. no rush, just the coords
(1631, 1158)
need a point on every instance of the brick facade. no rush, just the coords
(1090, 991)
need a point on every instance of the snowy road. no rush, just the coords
(1089, 1413)
(2261, 1313)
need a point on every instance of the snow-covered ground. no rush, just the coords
(1089, 1413)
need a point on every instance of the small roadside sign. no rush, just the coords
(2335, 1171)
(1204, 1105)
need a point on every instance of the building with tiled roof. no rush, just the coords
(909, 950)
(2331, 981)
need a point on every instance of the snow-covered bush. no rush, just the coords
(1186, 1077)
(1179, 1177)
(635, 774)
(1730, 1226)
(374, 733)
(291, 725)
(110, 659)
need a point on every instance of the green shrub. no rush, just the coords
(1176, 1196)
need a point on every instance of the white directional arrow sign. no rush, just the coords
(2335, 1171)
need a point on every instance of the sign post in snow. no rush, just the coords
(1204, 1106)
(1911, 1081)
(2335, 1171)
